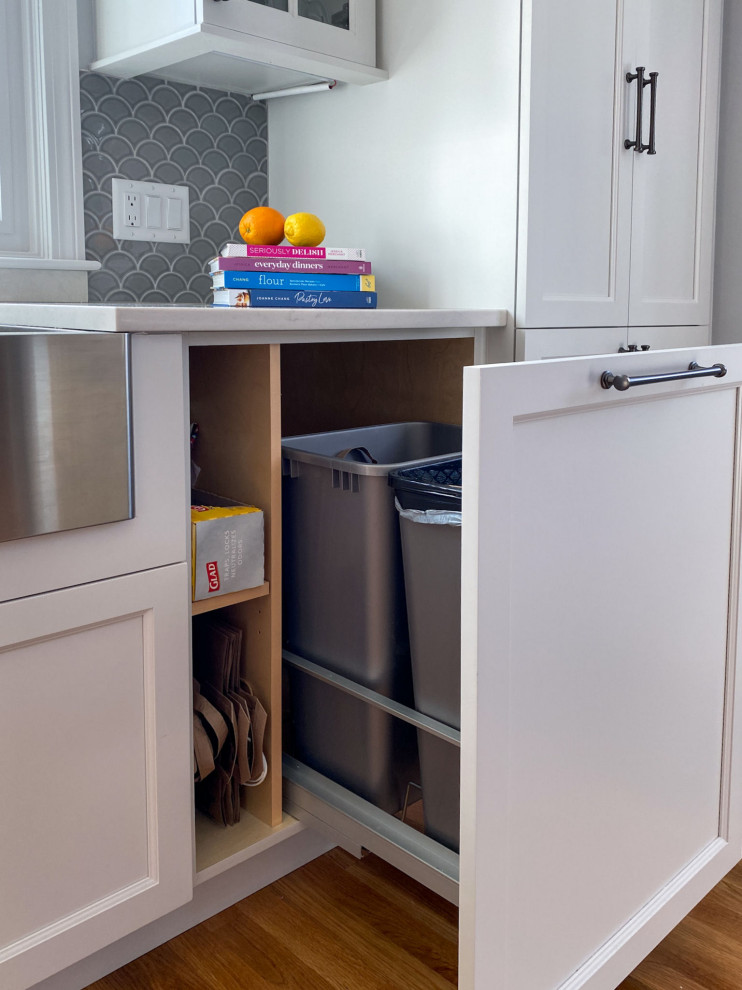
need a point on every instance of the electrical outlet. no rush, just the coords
(131, 208)
(150, 211)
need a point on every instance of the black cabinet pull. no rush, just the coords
(624, 382)
(636, 144)
(633, 347)
(651, 148)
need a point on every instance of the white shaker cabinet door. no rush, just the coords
(95, 772)
(575, 218)
(674, 189)
(600, 756)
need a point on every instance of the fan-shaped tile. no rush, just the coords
(216, 197)
(154, 298)
(200, 141)
(100, 243)
(132, 91)
(151, 152)
(86, 102)
(100, 283)
(100, 166)
(133, 130)
(214, 125)
(202, 213)
(230, 216)
(258, 150)
(187, 267)
(96, 125)
(229, 144)
(211, 94)
(88, 183)
(167, 172)
(114, 108)
(137, 249)
(150, 114)
(198, 104)
(171, 251)
(167, 135)
(166, 97)
(135, 169)
(215, 161)
(201, 285)
(205, 250)
(257, 183)
(199, 177)
(95, 85)
(120, 263)
(97, 203)
(139, 283)
(182, 119)
(245, 199)
(218, 233)
(171, 284)
(153, 265)
(244, 164)
(117, 147)
(90, 221)
(228, 108)
(244, 129)
(184, 157)
(231, 181)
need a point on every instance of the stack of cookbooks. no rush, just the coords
(284, 276)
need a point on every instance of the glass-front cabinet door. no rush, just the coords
(340, 28)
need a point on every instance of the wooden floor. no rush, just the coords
(341, 924)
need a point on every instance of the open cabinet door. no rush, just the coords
(600, 755)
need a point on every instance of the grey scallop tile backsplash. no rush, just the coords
(149, 129)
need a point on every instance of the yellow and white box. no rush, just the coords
(227, 547)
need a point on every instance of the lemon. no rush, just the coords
(304, 230)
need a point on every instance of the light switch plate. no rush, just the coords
(150, 211)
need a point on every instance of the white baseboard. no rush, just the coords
(208, 899)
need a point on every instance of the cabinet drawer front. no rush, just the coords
(157, 533)
(601, 593)
(95, 766)
(537, 345)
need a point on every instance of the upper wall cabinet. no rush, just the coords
(246, 46)
(620, 104)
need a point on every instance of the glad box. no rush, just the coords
(227, 546)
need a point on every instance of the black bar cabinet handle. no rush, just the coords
(651, 148)
(624, 382)
(640, 83)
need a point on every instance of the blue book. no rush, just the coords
(293, 280)
(300, 298)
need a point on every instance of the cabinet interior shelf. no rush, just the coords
(222, 601)
(219, 849)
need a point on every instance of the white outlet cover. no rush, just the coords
(159, 212)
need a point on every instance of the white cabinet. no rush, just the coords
(246, 46)
(609, 236)
(601, 797)
(95, 768)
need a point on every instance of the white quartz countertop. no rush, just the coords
(117, 318)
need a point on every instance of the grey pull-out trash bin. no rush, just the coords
(429, 503)
(344, 602)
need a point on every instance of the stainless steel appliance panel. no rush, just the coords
(65, 416)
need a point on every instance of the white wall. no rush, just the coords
(86, 32)
(727, 315)
(421, 169)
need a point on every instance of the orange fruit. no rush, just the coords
(262, 225)
(304, 230)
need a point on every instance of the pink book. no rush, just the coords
(303, 265)
(286, 251)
